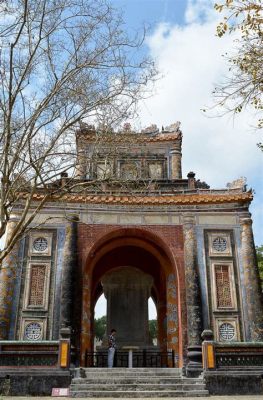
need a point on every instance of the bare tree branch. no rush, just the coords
(60, 63)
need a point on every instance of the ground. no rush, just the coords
(163, 398)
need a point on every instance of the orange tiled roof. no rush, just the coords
(161, 137)
(137, 138)
(181, 199)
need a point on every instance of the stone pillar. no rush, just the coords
(81, 163)
(68, 269)
(193, 298)
(176, 160)
(253, 301)
(7, 281)
(127, 291)
(191, 180)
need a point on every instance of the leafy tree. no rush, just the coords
(153, 328)
(244, 87)
(100, 325)
(259, 250)
(61, 63)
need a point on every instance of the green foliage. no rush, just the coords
(100, 327)
(259, 250)
(153, 328)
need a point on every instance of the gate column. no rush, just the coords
(69, 265)
(8, 271)
(193, 298)
(253, 301)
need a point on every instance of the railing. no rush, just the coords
(143, 358)
(240, 355)
(38, 354)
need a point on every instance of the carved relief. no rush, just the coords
(40, 243)
(104, 170)
(227, 329)
(155, 170)
(151, 129)
(175, 127)
(37, 286)
(223, 286)
(239, 183)
(129, 170)
(33, 329)
(219, 244)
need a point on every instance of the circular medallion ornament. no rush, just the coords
(227, 331)
(33, 331)
(219, 244)
(40, 244)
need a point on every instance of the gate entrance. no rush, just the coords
(129, 268)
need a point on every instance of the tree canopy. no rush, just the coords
(153, 328)
(100, 325)
(244, 84)
(259, 250)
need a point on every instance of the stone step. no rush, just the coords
(122, 374)
(139, 394)
(135, 382)
(138, 379)
(172, 370)
(128, 371)
(136, 386)
(132, 376)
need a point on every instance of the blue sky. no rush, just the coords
(151, 12)
(181, 39)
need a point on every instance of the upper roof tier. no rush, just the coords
(151, 154)
(150, 134)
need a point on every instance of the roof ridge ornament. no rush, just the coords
(239, 183)
(175, 127)
(151, 129)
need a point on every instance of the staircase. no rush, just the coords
(135, 382)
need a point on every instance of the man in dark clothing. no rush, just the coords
(112, 348)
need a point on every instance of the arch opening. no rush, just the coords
(152, 321)
(128, 297)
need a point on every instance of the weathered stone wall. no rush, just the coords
(33, 383)
(230, 383)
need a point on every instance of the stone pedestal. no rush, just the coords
(127, 291)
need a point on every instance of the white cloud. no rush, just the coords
(190, 58)
(200, 10)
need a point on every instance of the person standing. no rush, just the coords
(111, 348)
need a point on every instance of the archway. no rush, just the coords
(146, 252)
